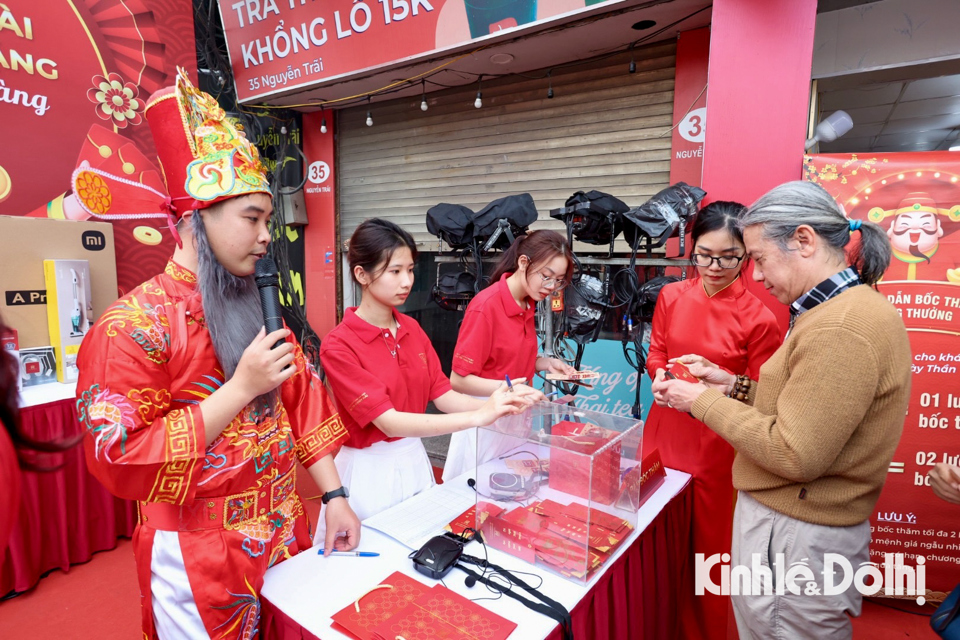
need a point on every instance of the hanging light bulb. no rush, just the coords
(323, 121)
(549, 85)
(423, 99)
(479, 101)
(369, 114)
(633, 65)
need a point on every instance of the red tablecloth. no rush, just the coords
(636, 598)
(65, 515)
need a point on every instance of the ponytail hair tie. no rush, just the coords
(855, 225)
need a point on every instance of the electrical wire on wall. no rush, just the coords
(280, 247)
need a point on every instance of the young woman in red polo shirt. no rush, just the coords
(498, 337)
(383, 371)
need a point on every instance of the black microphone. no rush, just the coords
(268, 282)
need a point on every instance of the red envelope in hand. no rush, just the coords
(681, 372)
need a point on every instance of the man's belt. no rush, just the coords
(223, 512)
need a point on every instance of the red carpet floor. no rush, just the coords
(99, 600)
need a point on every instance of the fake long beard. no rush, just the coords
(914, 249)
(231, 310)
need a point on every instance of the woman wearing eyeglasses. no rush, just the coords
(716, 316)
(498, 337)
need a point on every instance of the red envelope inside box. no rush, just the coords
(464, 524)
(567, 557)
(526, 519)
(596, 537)
(642, 481)
(547, 508)
(573, 446)
(582, 513)
(510, 538)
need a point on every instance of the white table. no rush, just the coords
(310, 588)
(44, 393)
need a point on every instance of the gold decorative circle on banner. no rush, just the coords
(93, 192)
(126, 167)
(6, 186)
(147, 235)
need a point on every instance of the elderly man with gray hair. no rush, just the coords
(816, 433)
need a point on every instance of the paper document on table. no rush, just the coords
(416, 520)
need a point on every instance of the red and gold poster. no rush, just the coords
(916, 199)
(74, 79)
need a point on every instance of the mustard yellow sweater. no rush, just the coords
(827, 414)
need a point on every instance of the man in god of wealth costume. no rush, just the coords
(188, 409)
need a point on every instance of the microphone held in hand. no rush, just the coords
(268, 282)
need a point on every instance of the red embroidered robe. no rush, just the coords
(144, 368)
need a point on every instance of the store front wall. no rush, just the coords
(604, 129)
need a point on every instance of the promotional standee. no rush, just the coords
(75, 78)
(914, 197)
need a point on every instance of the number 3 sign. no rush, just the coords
(319, 172)
(693, 126)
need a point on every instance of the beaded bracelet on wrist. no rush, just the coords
(741, 388)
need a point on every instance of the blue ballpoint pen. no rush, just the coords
(360, 554)
(509, 384)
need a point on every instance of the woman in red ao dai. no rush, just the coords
(714, 315)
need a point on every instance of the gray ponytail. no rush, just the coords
(784, 208)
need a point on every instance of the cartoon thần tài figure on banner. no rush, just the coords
(916, 232)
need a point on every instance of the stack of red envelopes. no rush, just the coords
(467, 522)
(558, 536)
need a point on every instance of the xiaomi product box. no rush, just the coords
(25, 243)
(69, 310)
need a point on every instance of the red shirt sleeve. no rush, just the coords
(317, 426)
(439, 382)
(764, 340)
(473, 344)
(657, 356)
(359, 392)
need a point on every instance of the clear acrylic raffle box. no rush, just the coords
(559, 487)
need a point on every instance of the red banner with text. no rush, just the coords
(74, 80)
(914, 197)
(278, 45)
